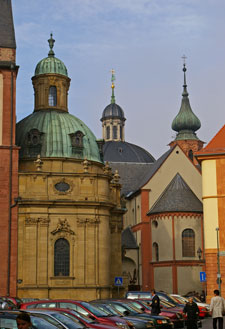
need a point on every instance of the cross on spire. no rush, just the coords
(113, 78)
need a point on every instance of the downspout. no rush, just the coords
(10, 182)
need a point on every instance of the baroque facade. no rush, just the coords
(70, 216)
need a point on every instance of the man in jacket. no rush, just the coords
(192, 311)
(155, 303)
(217, 307)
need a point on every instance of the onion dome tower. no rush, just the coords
(186, 123)
(113, 119)
(50, 131)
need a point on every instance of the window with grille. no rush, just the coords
(52, 96)
(62, 258)
(188, 243)
(155, 254)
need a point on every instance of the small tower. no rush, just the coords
(8, 152)
(186, 123)
(51, 82)
(113, 119)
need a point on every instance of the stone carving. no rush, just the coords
(38, 163)
(86, 165)
(41, 220)
(94, 220)
(63, 226)
(116, 177)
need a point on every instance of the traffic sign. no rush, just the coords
(202, 277)
(118, 281)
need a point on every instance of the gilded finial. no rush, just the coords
(51, 42)
(38, 163)
(113, 78)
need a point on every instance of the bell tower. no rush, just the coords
(8, 152)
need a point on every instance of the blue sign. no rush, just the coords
(118, 281)
(202, 277)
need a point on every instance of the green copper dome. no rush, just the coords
(51, 64)
(53, 133)
(186, 122)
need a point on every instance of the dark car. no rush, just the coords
(8, 320)
(132, 320)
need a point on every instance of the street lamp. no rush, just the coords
(218, 261)
(199, 253)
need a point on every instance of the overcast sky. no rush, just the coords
(143, 40)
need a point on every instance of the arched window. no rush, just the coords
(114, 132)
(155, 252)
(108, 132)
(52, 96)
(62, 258)
(121, 132)
(190, 155)
(188, 243)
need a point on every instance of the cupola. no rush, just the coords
(113, 119)
(51, 82)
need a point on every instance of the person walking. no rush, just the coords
(217, 307)
(192, 311)
(155, 303)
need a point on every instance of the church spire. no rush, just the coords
(186, 123)
(7, 35)
(113, 78)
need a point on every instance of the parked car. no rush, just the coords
(159, 322)
(81, 307)
(204, 309)
(175, 317)
(15, 300)
(132, 320)
(84, 320)
(8, 320)
(60, 317)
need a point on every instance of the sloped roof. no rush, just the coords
(134, 175)
(216, 145)
(131, 174)
(118, 151)
(7, 34)
(128, 239)
(177, 197)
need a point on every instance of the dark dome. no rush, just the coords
(113, 111)
(126, 152)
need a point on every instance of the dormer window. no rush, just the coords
(77, 143)
(33, 142)
(52, 96)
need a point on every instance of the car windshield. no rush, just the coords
(71, 324)
(44, 322)
(136, 305)
(94, 309)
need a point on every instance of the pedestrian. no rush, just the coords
(155, 303)
(23, 321)
(217, 307)
(192, 311)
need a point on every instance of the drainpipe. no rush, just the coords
(10, 181)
